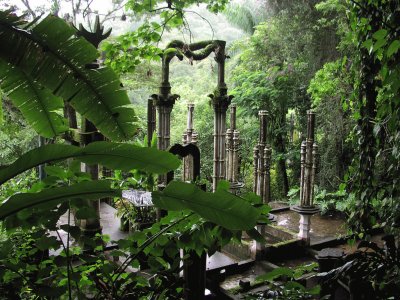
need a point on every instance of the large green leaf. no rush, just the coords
(112, 155)
(49, 53)
(89, 190)
(221, 207)
(37, 104)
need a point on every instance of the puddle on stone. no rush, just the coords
(322, 227)
(278, 205)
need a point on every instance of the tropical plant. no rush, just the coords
(48, 59)
(44, 207)
(43, 64)
(273, 72)
(50, 66)
(372, 272)
(282, 284)
(376, 171)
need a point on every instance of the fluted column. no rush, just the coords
(307, 169)
(235, 156)
(255, 166)
(189, 137)
(151, 120)
(220, 101)
(229, 149)
(308, 160)
(164, 102)
(266, 196)
(232, 153)
(262, 160)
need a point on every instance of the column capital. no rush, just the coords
(165, 100)
(220, 102)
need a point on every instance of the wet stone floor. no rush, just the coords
(322, 227)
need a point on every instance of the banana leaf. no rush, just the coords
(38, 105)
(90, 190)
(221, 207)
(47, 53)
(111, 155)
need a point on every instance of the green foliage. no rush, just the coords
(376, 171)
(21, 183)
(147, 6)
(16, 136)
(330, 92)
(35, 102)
(128, 50)
(221, 207)
(283, 285)
(326, 83)
(371, 271)
(90, 190)
(329, 202)
(273, 71)
(47, 58)
(246, 15)
(111, 155)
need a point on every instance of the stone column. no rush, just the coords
(90, 227)
(229, 150)
(308, 159)
(189, 137)
(266, 195)
(151, 120)
(255, 166)
(262, 160)
(262, 182)
(232, 153)
(308, 162)
(164, 102)
(220, 101)
(235, 156)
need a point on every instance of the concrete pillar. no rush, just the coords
(307, 169)
(164, 102)
(151, 120)
(262, 160)
(220, 101)
(189, 137)
(308, 160)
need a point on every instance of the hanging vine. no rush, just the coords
(376, 25)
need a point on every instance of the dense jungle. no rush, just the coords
(286, 182)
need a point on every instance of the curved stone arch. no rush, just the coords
(220, 100)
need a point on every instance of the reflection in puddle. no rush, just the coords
(283, 222)
(321, 226)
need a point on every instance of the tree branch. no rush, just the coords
(28, 7)
(204, 19)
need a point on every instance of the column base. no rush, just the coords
(305, 221)
(258, 249)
